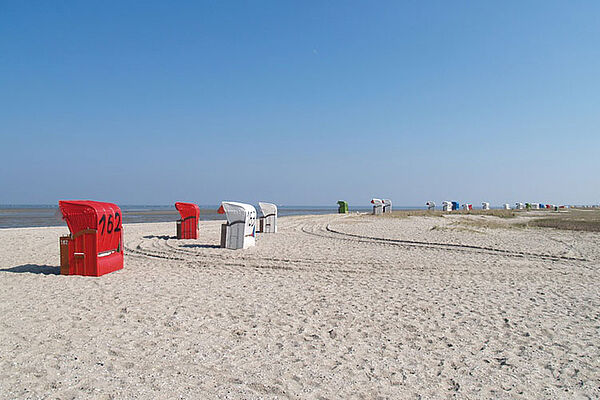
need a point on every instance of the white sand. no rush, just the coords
(307, 313)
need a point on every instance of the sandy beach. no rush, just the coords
(332, 306)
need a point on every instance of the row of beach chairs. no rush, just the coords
(380, 206)
(454, 205)
(94, 246)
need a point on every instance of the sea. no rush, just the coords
(24, 216)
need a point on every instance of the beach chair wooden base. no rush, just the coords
(224, 235)
(64, 254)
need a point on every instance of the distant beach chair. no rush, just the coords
(377, 206)
(446, 206)
(485, 205)
(455, 206)
(507, 206)
(95, 245)
(467, 206)
(430, 205)
(519, 206)
(240, 231)
(387, 206)
(342, 207)
(188, 225)
(267, 222)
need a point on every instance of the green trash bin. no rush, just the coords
(342, 207)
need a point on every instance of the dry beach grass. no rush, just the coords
(575, 220)
(332, 306)
(570, 220)
(438, 213)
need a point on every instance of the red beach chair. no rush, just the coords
(187, 226)
(95, 245)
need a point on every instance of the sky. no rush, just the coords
(300, 103)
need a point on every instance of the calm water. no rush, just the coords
(21, 216)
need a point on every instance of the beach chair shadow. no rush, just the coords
(33, 269)
(163, 237)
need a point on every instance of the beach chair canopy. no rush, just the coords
(377, 202)
(236, 212)
(187, 210)
(105, 218)
(267, 209)
(386, 202)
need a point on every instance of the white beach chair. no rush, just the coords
(485, 205)
(446, 206)
(377, 206)
(240, 231)
(387, 206)
(268, 217)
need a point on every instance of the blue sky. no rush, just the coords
(300, 103)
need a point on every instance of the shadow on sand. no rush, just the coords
(33, 269)
(163, 237)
